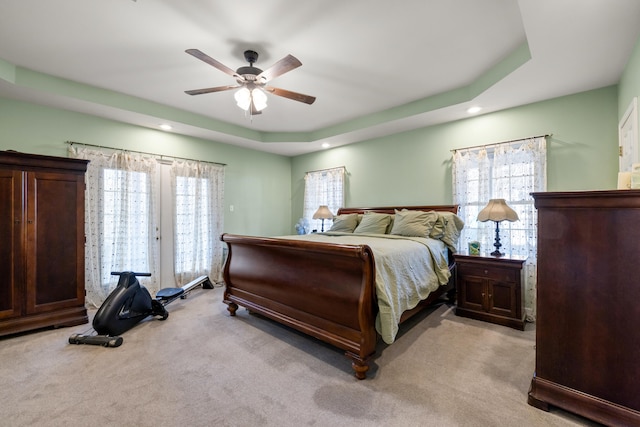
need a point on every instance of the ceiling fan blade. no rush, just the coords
(209, 60)
(210, 90)
(291, 95)
(286, 64)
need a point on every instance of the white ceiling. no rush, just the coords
(376, 66)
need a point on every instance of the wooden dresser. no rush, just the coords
(41, 242)
(588, 305)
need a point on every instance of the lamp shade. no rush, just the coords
(323, 212)
(497, 210)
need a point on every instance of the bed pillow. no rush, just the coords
(438, 230)
(373, 222)
(390, 226)
(452, 229)
(413, 223)
(345, 223)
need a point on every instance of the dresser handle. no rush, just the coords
(486, 272)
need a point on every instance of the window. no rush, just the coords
(324, 187)
(136, 203)
(126, 207)
(509, 171)
(197, 190)
(192, 232)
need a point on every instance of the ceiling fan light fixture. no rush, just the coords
(259, 99)
(252, 95)
(244, 97)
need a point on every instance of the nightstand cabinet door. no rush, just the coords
(472, 292)
(490, 289)
(502, 298)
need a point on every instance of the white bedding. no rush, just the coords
(408, 269)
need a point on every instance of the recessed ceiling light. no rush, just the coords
(326, 145)
(474, 110)
(165, 126)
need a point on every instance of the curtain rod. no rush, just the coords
(321, 170)
(161, 156)
(498, 143)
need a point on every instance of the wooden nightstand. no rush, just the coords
(490, 289)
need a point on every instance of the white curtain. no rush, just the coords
(198, 191)
(509, 171)
(120, 219)
(324, 187)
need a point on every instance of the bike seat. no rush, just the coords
(169, 293)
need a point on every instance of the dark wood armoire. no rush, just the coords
(41, 242)
(588, 305)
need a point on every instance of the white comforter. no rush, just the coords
(408, 269)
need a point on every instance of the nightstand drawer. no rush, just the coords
(499, 274)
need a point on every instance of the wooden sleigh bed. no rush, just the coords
(326, 290)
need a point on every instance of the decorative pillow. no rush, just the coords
(437, 232)
(413, 223)
(345, 223)
(373, 222)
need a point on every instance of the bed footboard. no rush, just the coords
(289, 282)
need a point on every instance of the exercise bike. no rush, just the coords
(130, 303)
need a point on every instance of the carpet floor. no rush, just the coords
(202, 367)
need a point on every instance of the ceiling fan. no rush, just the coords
(252, 81)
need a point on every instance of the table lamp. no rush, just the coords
(497, 210)
(323, 213)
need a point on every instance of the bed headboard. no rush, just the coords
(392, 209)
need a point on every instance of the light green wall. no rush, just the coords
(408, 168)
(629, 86)
(415, 167)
(256, 184)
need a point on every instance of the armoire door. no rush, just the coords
(11, 235)
(55, 239)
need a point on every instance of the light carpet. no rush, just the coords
(202, 367)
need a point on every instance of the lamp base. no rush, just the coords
(497, 243)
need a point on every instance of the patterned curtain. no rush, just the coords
(198, 191)
(324, 187)
(509, 171)
(120, 219)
